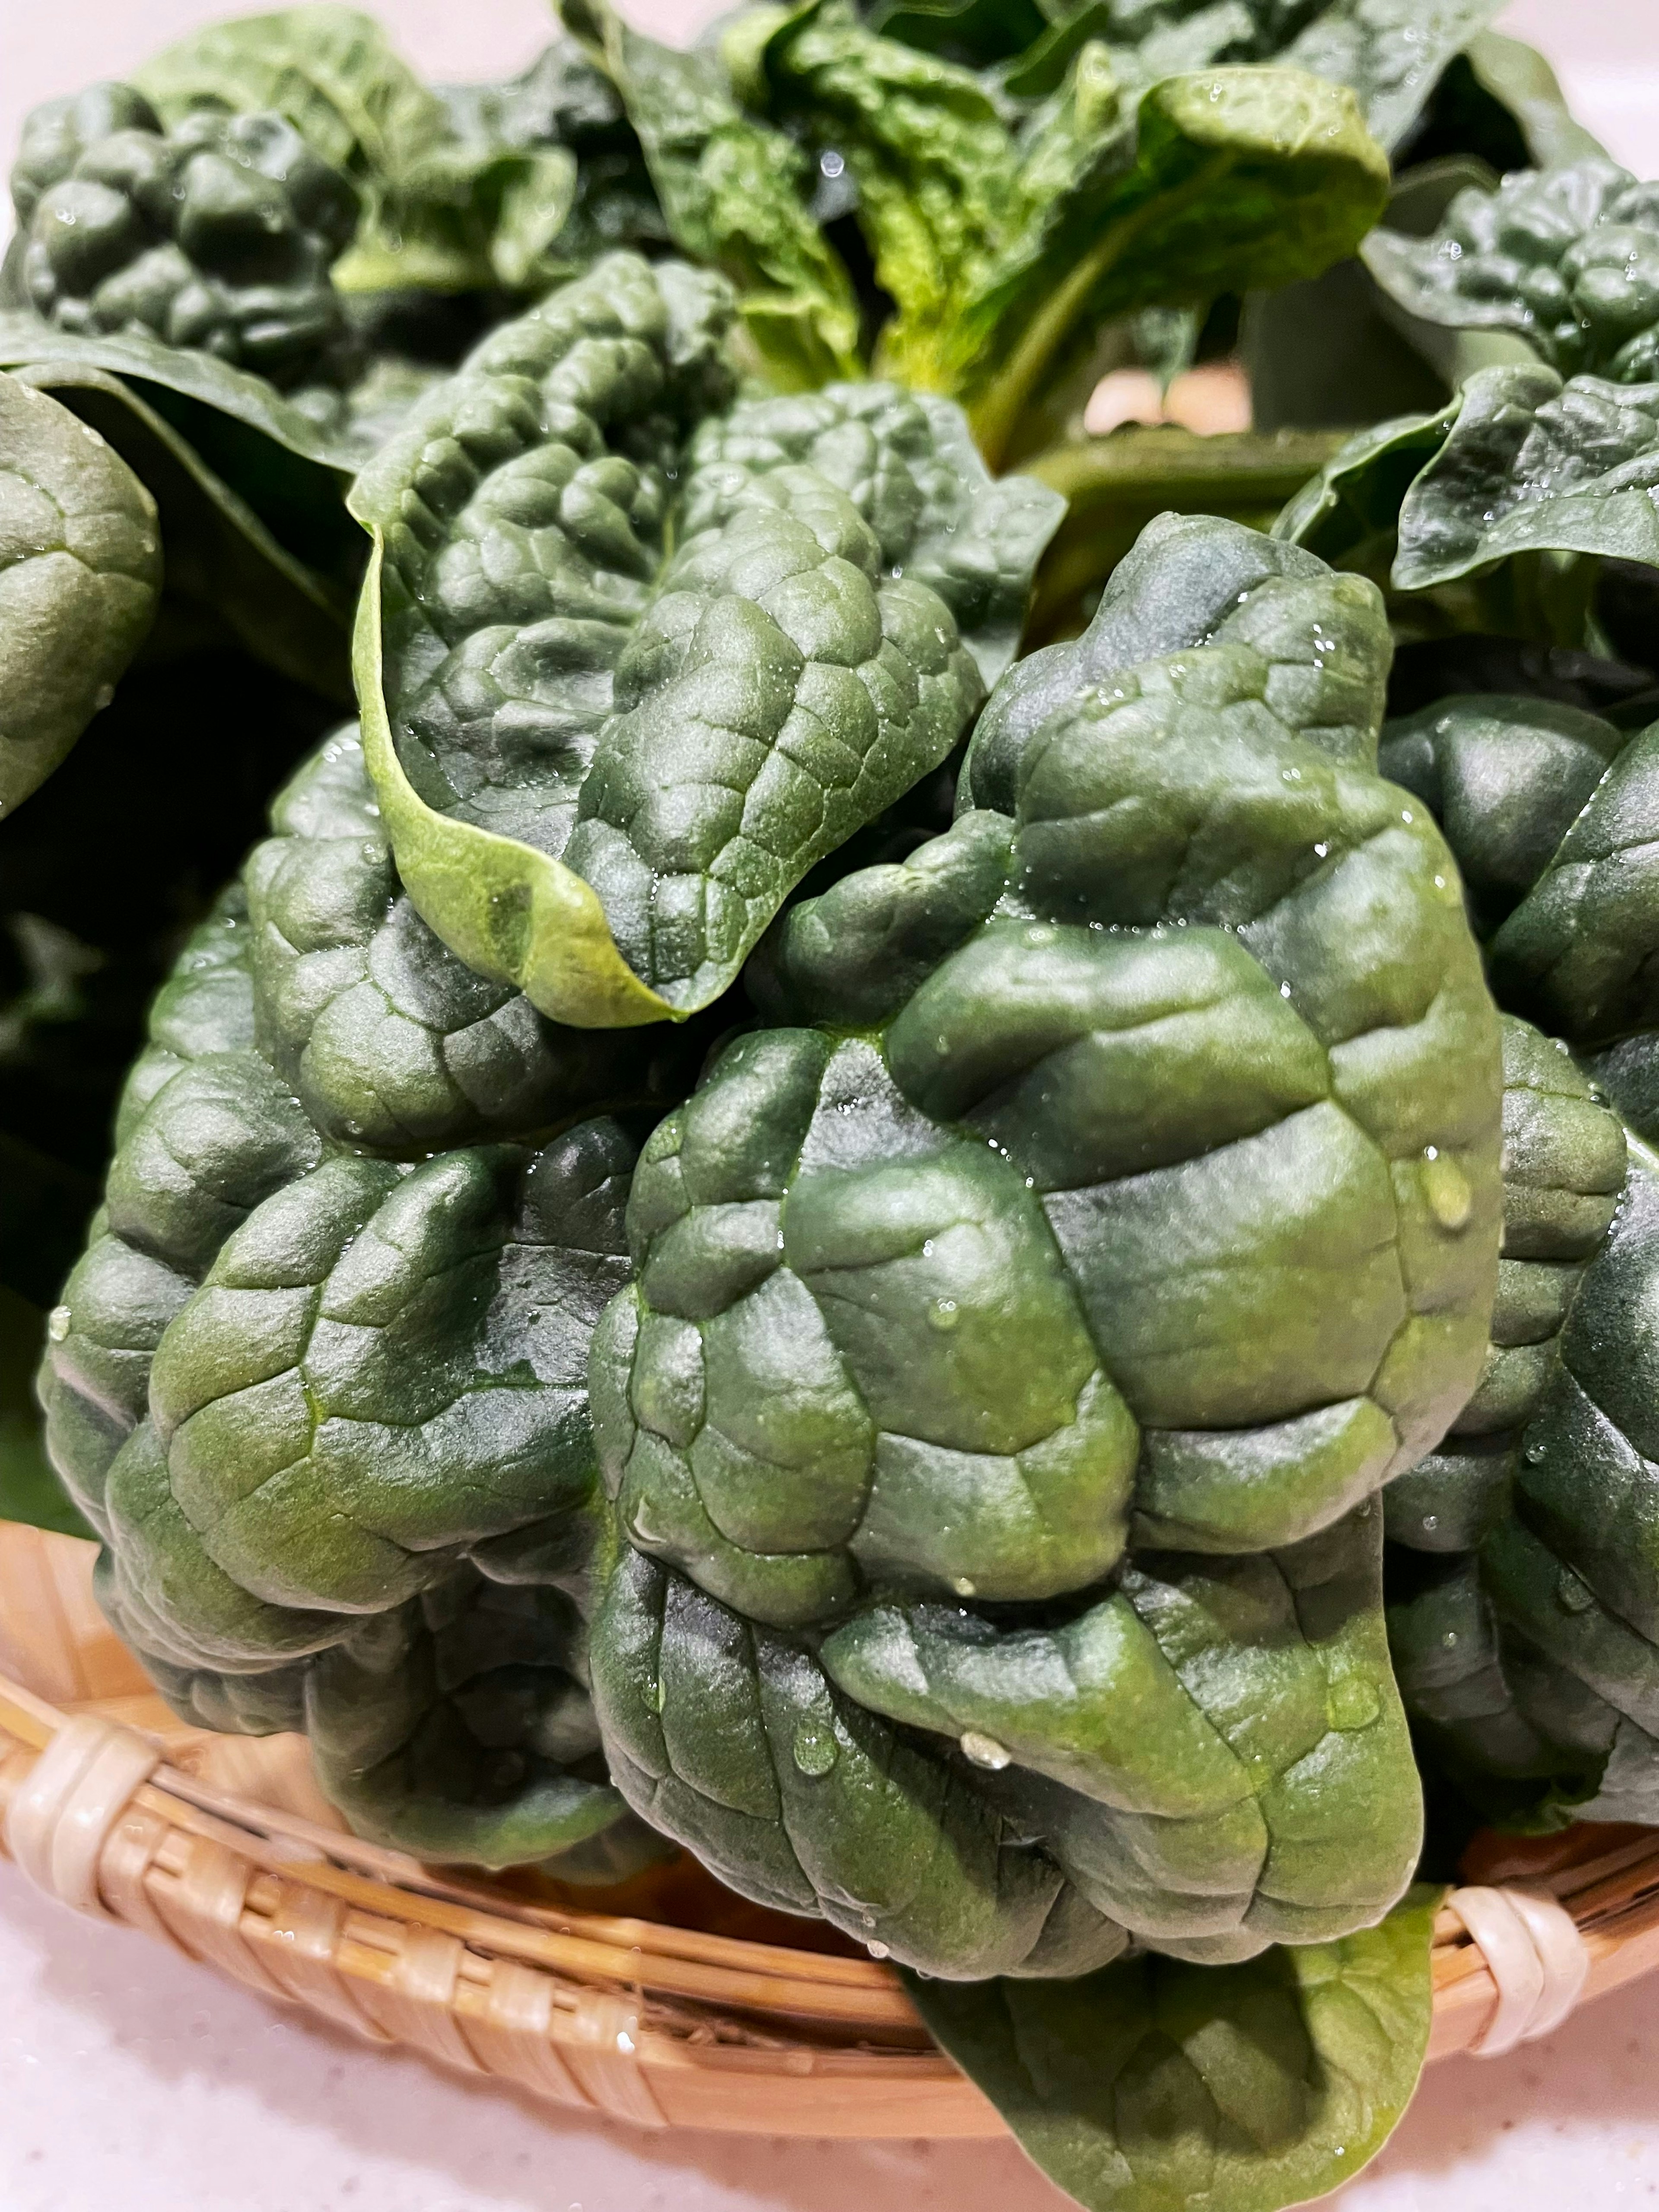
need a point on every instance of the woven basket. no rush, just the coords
(677, 2005)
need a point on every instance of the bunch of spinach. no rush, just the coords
(666, 683)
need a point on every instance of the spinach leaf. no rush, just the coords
(1567, 258)
(1003, 231)
(1153, 2085)
(1243, 180)
(906, 1633)
(736, 194)
(80, 577)
(442, 208)
(1520, 464)
(322, 435)
(1519, 79)
(1524, 1607)
(226, 571)
(631, 666)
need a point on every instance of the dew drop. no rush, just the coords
(814, 1749)
(58, 1323)
(1447, 1190)
(1449, 1639)
(962, 1586)
(1535, 1454)
(879, 1950)
(942, 1314)
(985, 1751)
(1430, 1523)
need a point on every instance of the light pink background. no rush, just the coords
(131, 2079)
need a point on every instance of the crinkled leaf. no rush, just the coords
(80, 579)
(609, 739)
(1390, 53)
(1519, 462)
(388, 1040)
(982, 1800)
(441, 210)
(736, 194)
(1567, 258)
(1523, 1593)
(1163, 890)
(1524, 1582)
(1153, 2085)
(328, 1408)
(330, 70)
(931, 154)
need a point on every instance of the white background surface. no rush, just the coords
(133, 2080)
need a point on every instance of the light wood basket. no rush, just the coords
(677, 2006)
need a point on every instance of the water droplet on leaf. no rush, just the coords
(814, 1749)
(985, 1751)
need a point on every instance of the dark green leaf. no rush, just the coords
(325, 438)
(976, 32)
(1153, 2085)
(907, 1633)
(80, 579)
(1519, 463)
(223, 565)
(428, 198)
(1567, 258)
(607, 752)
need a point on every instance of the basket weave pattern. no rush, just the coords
(225, 1850)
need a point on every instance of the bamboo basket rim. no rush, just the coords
(646, 2020)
